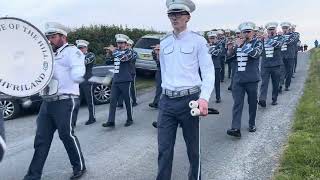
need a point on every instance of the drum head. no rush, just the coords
(26, 58)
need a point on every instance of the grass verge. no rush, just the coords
(301, 158)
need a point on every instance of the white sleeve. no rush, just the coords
(206, 69)
(77, 65)
(162, 63)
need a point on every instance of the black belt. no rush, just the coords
(59, 97)
(182, 93)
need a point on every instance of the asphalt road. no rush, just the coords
(130, 153)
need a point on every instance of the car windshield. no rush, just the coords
(146, 43)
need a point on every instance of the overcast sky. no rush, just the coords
(152, 13)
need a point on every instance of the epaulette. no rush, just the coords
(69, 45)
(197, 33)
(166, 36)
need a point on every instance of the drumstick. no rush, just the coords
(195, 111)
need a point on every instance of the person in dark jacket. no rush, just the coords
(216, 50)
(155, 103)
(270, 65)
(288, 50)
(133, 84)
(246, 78)
(122, 80)
(86, 86)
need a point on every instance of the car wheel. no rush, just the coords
(101, 94)
(11, 109)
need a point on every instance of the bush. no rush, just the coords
(101, 36)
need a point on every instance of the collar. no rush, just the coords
(61, 48)
(181, 34)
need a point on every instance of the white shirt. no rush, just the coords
(181, 56)
(69, 69)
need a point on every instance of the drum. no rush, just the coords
(26, 58)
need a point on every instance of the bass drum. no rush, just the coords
(26, 58)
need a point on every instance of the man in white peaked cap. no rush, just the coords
(182, 54)
(86, 87)
(59, 109)
(288, 50)
(122, 79)
(270, 64)
(133, 73)
(246, 78)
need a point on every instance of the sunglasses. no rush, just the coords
(177, 14)
(246, 32)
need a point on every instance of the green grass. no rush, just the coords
(301, 158)
(144, 82)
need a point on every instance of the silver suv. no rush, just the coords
(144, 49)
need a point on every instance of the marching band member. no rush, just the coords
(288, 52)
(86, 86)
(59, 110)
(122, 80)
(246, 78)
(182, 54)
(270, 65)
(216, 50)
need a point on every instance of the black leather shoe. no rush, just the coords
(274, 103)
(134, 104)
(153, 105)
(234, 132)
(262, 103)
(286, 89)
(128, 123)
(90, 122)
(108, 124)
(78, 174)
(218, 100)
(155, 124)
(252, 129)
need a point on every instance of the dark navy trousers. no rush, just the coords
(217, 83)
(58, 115)
(2, 135)
(288, 64)
(267, 73)
(87, 91)
(132, 92)
(158, 87)
(222, 72)
(173, 112)
(238, 94)
(117, 90)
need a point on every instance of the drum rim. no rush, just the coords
(51, 53)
